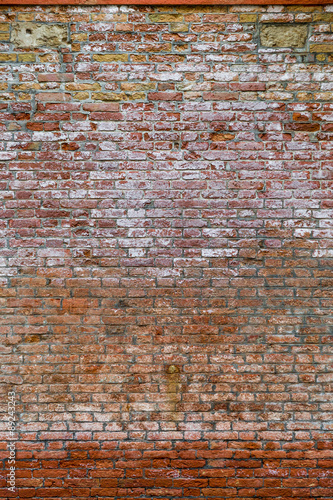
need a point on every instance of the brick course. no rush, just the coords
(166, 257)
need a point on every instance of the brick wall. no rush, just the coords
(166, 223)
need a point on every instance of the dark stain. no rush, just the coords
(122, 303)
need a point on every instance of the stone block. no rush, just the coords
(283, 35)
(33, 35)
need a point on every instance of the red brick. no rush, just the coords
(166, 254)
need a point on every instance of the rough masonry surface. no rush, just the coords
(166, 252)
(31, 35)
(283, 35)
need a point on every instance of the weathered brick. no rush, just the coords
(166, 253)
